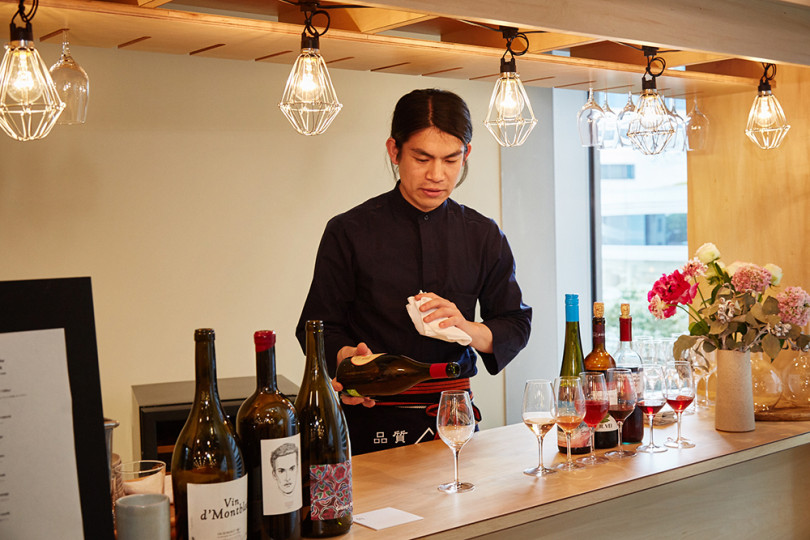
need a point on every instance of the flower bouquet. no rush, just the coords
(738, 314)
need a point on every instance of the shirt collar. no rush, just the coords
(413, 211)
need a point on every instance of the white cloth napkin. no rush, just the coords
(431, 329)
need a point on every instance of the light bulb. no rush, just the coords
(510, 117)
(309, 101)
(509, 102)
(24, 86)
(764, 115)
(652, 127)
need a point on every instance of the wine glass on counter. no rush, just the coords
(651, 399)
(621, 385)
(455, 423)
(596, 407)
(570, 411)
(680, 392)
(539, 409)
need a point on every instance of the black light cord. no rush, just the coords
(26, 17)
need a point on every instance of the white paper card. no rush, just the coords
(39, 485)
(384, 518)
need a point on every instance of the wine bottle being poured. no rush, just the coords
(388, 374)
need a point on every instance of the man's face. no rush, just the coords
(286, 472)
(430, 164)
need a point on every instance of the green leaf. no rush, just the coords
(770, 306)
(699, 328)
(756, 311)
(708, 346)
(771, 346)
(718, 327)
(749, 337)
(803, 341)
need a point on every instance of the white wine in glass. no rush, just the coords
(539, 409)
(455, 423)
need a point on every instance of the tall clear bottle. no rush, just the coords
(626, 357)
(326, 461)
(267, 425)
(209, 479)
(573, 365)
(606, 434)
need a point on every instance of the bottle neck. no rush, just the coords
(205, 371)
(598, 326)
(625, 330)
(316, 355)
(266, 368)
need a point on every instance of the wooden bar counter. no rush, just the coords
(731, 485)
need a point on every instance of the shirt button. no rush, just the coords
(427, 217)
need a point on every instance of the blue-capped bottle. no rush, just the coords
(572, 365)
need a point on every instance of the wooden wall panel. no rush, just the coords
(755, 204)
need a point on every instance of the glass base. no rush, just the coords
(651, 449)
(538, 471)
(592, 460)
(573, 466)
(620, 454)
(456, 487)
(679, 443)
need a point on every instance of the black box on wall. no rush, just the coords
(162, 410)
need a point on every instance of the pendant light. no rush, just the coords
(510, 117)
(29, 102)
(309, 101)
(767, 125)
(653, 127)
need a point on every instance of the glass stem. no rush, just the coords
(621, 423)
(455, 465)
(540, 444)
(652, 442)
(592, 457)
(679, 426)
(568, 447)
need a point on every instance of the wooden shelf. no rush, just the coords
(380, 40)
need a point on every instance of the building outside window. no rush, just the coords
(642, 226)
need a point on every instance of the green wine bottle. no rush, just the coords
(208, 474)
(572, 366)
(326, 461)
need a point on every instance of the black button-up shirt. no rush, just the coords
(376, 255)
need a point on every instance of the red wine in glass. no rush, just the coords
(621, 412)
(595, 411)
(651, 407)
(679, 403)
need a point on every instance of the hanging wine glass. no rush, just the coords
(678, 141)
(588, 122)
(697, 128)
(72, 85)
(608, 127)
(625, 116)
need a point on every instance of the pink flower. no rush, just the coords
(660, 309)
(794, 306)
(750, 277)
(694, 268)
(674, 289)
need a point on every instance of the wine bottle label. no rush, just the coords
(362, 360)
(607, 425)
(580, 437)
(281, 475)
(218, 511)
(330, 490)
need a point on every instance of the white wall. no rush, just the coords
(190, 202)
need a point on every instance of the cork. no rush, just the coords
(625, 310)
(598, 309)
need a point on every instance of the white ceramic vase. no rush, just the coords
(734, 408)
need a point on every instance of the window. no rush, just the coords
(643, 209)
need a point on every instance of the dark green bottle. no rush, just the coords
(326, 461)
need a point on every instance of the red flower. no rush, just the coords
(673, 289)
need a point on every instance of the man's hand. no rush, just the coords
(347, 352)
(479, 332)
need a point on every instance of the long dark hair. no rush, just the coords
(431, 107)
